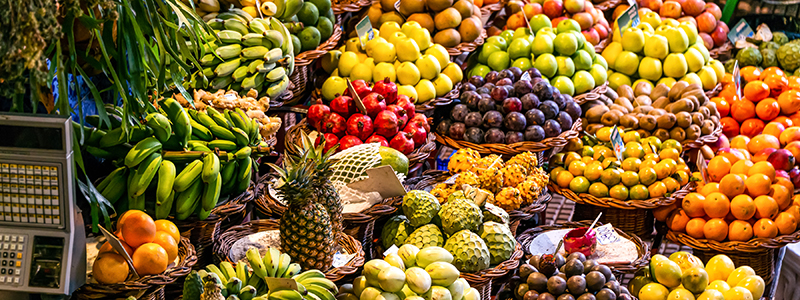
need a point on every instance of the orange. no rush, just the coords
(762, 167)
(750, 73)
(684, 177)
(709, 188)
(138, 229)
(166, 241)
(784, 120)
(789, 102)
(739, 142)
(742, 110)
(692, 204)
(782, 196)
(730, 127)
(715, 229)
(766, 207)
(773, 128)
(786, 223)
(728, 93)
(740, 231)
(765, 228)
(695, 228)
(768, 109)
(741, 167)
(756, 90)
(678, 220)
(723, 107)
(794, 210)
(785, 182)
(796, 200)
(751, 127)
(718, 167)
(794, 82)
(478, 3)
(717, 205)
(771, 71)
(743, 207)
(150, 259)
(169, 227)
(727, 78)
(110, 268)
(662, 212)
(121, 219)
(776, 83)
(732, 185)
(757, 185)
(106, 247)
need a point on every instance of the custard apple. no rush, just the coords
(459, 214)
(779, 38)
(789, 56)
(499, 240)
(457, 194)
(470, 253)
(420, 207)
(749, 57)
(769, 45)
(395, 231)
(426, 236)
(495, 214)
(770, 60)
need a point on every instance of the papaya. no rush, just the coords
(394, 158)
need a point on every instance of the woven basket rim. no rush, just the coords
(752, 246)
(440, 101)
(515, 148)
(307, 57)
(588, 199)
(350, 7)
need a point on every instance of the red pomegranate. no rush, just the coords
(418, 133)
(374, 103)
(362, 88)
(386, 88)
(385, 124)
(402, 116)
(344, 106)
(359, 126)
(407, 103)
(334, 124)
(318, 112)
(349, 141)
(403, 143)
(330, 141)
(377, 139)
(421, 119)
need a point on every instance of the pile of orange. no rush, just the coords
(152, 246)
(768, 96)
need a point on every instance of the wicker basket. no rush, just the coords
(341, 8)
(304, 61)
(150, 287)
(515, 148)
(348, 243)
(620, 268)
(439, 101)
(468, 47)
(602, 45)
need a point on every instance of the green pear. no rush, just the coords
(388, 29)
(347, 61)
(519, 48)
(599, 73)
(353, 45)
(633, 40)
(407, 49)
(499, 41)
(408, 90)
(440, 53)
(409, 26)
(332, 87)
(611, 52)
(442, 84)
(627, 63)
(650, 68)
(423, 38)
(566, 67)
(583, 82)
(546, 64)
(453, 71)
(708, 76)
(523, 63)
(656, 46)
(678, 41)
(407, 73)
(428, 66)
(330, 61)
(694, 59)
(617, 79)
(425, 90)
(384, 70)
(675, 65)
(600, 60)
(548, 31)
(542, 43)
(486, 51)
(521, 33)
(361, 71)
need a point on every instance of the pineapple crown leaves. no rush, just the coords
(317, 153)
(294, 179)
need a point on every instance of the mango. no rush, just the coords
(418, 280)
(442, 273)
(432, 254)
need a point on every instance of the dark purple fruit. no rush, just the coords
(525, 270)
(499, 94)
(573, 109)
(534, 117)
(466, 95)
(492, 119)
(467, 87)
(605, 270)
(522, 87)
(556, 285)
(549, 108)
(494, 136)
(457, 131)
(476, 80)
(551, 128)
(507, 74)
(459, 112)
(486, 103)
(483, 90)
(542, 90)
(587, 296)
(613, 286)
(515, 121)
(492, 76)
(546, 296)
(529, 101)
(516, 71)
(565, 297)
(577, 255)
(474, 135)
(489, 85)
(444, 127)
(534, 133)
(537, 281)
(568, 98)
(473, 119)
(625, 297)
(471, 100)
(534, 72)
(565, 120)
(595, 281)
(559, 100)
(510, 90)
(514, 137)
(576, 285)
(504, 82)
(512, 104)
(531, 295)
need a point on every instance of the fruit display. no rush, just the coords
(682, 112)
(657, 51)
(231, 100)
(309, 22)
(455, 230)
(188, 183)
(502, 107)
(248, 53)
(512, 184)
(593, 23)
(649, 169)
(573, 277)
(390, 119)
(704, 16)
(396, 53)
(449, 22)
(759, 53)
(563, 56)
(748, 193)
(683, 276)
(151, 245)
(244, 282)
(418, 274)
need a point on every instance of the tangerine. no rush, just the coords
(711, 187)
(758, 184)
(756, 90)
(723, 107)
(727, 78)
(768, 109)
(730, 127)
(717, 205)
(785, 182)
(750, 73)
(150, 259)
(786, 223)
(794, 210)
(743, 207)
(739, 142)
(663, 212)
(794, 82)
(718, 167)
(777, 84)
(168, 243)
(692, 204)
(771, 71)
(138, 229)
(789, 102)
(672, 184)
(110, 268)
(742, 110)
(657, 190)
(678, 220)
(762, 167)
(741, 167)
(751, 127)
(784, 120)
(732, 185)
(684, 177)
(765, 228)
(715, 229)
(169, 227)
(694, 228)
(782, 195)
(647, 176)
(740, 231)
(564, 178)
(773, 128)
(766, 207)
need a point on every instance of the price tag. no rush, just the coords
(701, 165)
(737, 80)
(617, 143)
(393, 248)
(277, 284)
(629, 18)
(364, 29)
(524, 17)
(740, 31)
(357, 99)
(525, 76)
(606, 234)
(763, 32)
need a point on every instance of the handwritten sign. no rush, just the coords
(356, 98)
(629, 18)
(617, 143)
(737, 80)
(606, 234)
(739, 32)
(364, 29)
(701, 165)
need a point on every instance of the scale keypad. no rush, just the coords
(29, 194)
(12, 249)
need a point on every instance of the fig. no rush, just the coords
(443, 127)
(573, 109)
(507, 74)
(499, 94)
(467, 87)
(492, 76)
(504, 82)
(517, 73)
(564, 120)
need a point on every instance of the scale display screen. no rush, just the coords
(45, 138)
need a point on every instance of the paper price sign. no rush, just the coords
(737, 80)
(629, 18)
(701, 165)
(740, 32)
(364, 30)
(617, 143)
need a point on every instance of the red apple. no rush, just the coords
(693, 7)
(585, 20)
(781, 159)
(720, 34)
(714, 9)
(654, 5)
(553, 8)
(707, 40)
(591, 36)
(782, 173)
(670, 9)
(536, 8)
(706, 22)
(574, 6)
(601, 30)
(558, 20)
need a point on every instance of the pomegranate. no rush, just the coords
(374, 103)
(362, 88)
(377, 139)
(334, 124)
(345, 106)
(406, 103)
(318, 112)
(359, 126)
(385, 124)
(348, 141)
(403, 143)
(402, 116)
(418, 133)
(330, 141)
(386, 88)
(421, 119)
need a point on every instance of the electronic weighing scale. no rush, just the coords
(42, 239)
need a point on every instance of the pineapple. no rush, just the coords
(491, 179)
(525, 159)
(326, 193)
(509, 199)
(305, 228)
(463, 160)
(513, 174)
(466, 177)
(484, 163)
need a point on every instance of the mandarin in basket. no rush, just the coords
(692, 204)
(765, 228)
(743, 207)
(762, 167)
(138, 228)
(756, 90)
(782, 196)
(742, 110)
(757, 185)
(749, 73)
(166, 241)
(771, 71)
(794, 210)
(740, 231)
(106, 247)
(711, 187)
(694, 228)
(777, 84)
(768, 109)
(786, 223)
(732, 185)
(789, 102)
(677, 220)
(723, 107)
(766, 207)
(717, 205)
(150, 259)
(773, 128)
(170, 228)
(718, 167)
(715, 229)
(110, 268)
(752, 127)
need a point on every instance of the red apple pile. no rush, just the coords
(389, 119)
(705, 16)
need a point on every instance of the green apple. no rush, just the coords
(330, 61)
(564, 85)
(384, 70)
(407, 73)
(670, 22)
(690, 30)
(627, 63)
(702, 49)
(640, 80)
(652, 18)
(579, 38)
(542, 43)
(440, 53)
(521, 33)
(332, 87)
(428, 66)
(675, 65)
(678, 41)
(650, 68)
(694, 59)
(668, 81)
(453, 71)
(519, 48)
(373, 43)
(396, 37)
(507, 34)
(389, 28)
(408, 90)
(423, 38)
(633, 39)
(347, 61)
(708, 77)
(600, 60)
(611, 52)
(656, 46)
(499, 41)
(548, 31)
(617, 79)
(410, 26)
(384, 52)
(480, 70)
(540, 21)
(568, 25)
(566, 67)
(407, 49)
(523, 63)
(486, 50)
(499, 61)
(646, 27)
(583, 81)
(546, 64)
(361, 71)
(582, 60)
(589, 48)
(565, 43)
(598, 73)
(425, 90)
(442, 84)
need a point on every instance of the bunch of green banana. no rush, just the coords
(229, 284)
(311, 284)
(246, 53)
